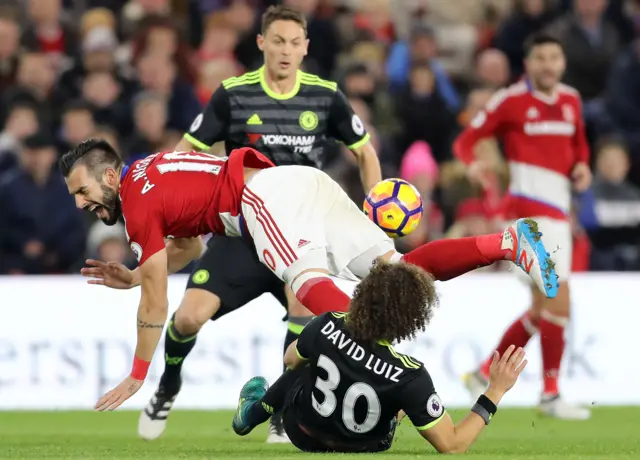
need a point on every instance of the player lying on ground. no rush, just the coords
(347, 384)
(303, 225)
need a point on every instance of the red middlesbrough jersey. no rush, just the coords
(543, 138)
(183, 195)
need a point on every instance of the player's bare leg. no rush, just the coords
(554, 317)
(197, 307)
(297, 318)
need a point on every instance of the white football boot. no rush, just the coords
(475, 383)
(277, 435)
(556, 407)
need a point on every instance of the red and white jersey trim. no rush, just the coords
(540, 184)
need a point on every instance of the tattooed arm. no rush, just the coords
(152, 312)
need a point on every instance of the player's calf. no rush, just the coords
(197, 307)
(297, 318)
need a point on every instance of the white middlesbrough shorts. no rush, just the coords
(300, 219)
(558, 240)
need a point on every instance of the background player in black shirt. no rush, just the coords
(347, 385)
(289, 116)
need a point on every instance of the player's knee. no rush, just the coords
(294, 307)
(392, 256)
(197, 307)
(298, 282)
(533, 315)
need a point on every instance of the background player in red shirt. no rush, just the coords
(304, 227)
(539, 121)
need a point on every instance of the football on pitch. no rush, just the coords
(395, 206)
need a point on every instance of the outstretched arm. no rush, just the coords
(435, 424)
(152, 314)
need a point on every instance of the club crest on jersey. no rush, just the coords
(137, 250)
(434, 406)
(532, 113)
(308, 120)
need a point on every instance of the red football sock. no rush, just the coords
(320, 295)
(552, 347)
(447, 259)
(518, 334)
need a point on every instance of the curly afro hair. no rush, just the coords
(393, 303)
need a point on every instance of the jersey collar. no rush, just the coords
(125, 169)
(271, 93)
(541, 96)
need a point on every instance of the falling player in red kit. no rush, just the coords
(539, 121)
(301, 224)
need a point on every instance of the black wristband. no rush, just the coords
(487, 404)
(485, 408)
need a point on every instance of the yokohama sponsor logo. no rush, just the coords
(550, 128)
(282, 139)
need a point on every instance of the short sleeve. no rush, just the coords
(344, 125)
(144, 232)
(488, 122)
(421, 402)
(305, 345)
(212, 125)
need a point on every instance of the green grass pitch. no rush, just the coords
(612, 434)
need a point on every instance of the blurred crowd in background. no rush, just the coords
(416, 71)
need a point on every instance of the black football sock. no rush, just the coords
(176, 348)
(273, 400)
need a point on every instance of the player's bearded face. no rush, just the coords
(109, 210)
(284, 46)
(96, 195)
(545, 66)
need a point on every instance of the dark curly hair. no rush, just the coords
(393, 303)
